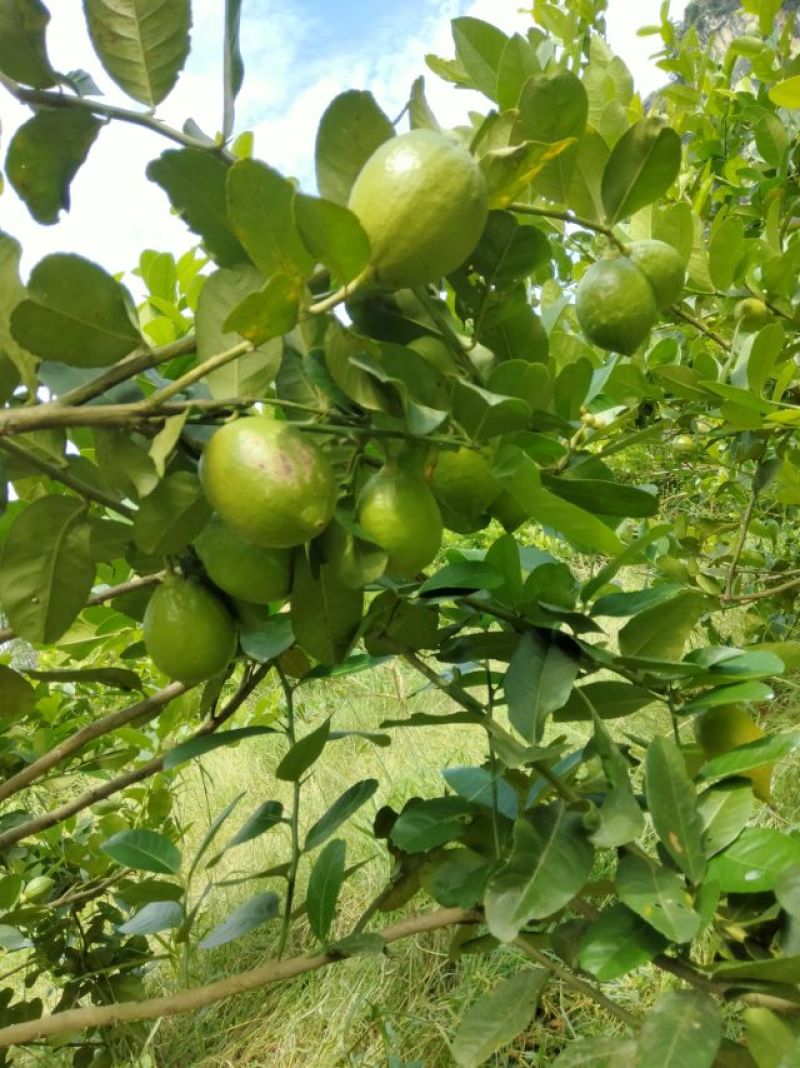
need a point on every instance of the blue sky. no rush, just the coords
(298, 56)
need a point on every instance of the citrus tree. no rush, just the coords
(566, 334)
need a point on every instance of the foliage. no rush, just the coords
(648, 498)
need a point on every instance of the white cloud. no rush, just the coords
(290, 80)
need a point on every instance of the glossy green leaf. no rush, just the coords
(518, 63)
(662, 630)
(510, 170)
(326, 612)
(350, 130)
(154, 917)
(44, 156)
(118, 678)
(725, 811)
(143, 44)
(480, 787)
(74, 313)
(673, 807)
(333, 235)
(242, 920)
(786, 94)
(755, 754)
(268, 640)
(424, 825)
(144, 850)
(658, 895)
(194, 180)
(603, 497)
(479, 48)
(16, 693)
(597, 1053)
(46, 570)
(754, 861)
(610, 699)
(682, 1030)
(642, 166)
(725, 250)
(507, 251)
(549, 863)
(23, 49)
(616, 943)
(767, 969)
(728, 695)
(341, 810)
(261, 209)
(553, 108)
(303, 754)
(538, 681)
(267, 314)
(172, 515)
(497, 1017)
(197, 747)
(324, 884)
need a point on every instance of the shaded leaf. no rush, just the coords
(682, 1030)
(243, 919)
(618, 942)
(23, 49)
(144, 850)
(207, 743)
(154, 917)
(662, 630)
(539, 679)
(16, 693)
(325, 612)
(673, 807)
(350, 130)
(333, 235)
(642, 166)
(340, 811)
(172, 515)
(497, 1017)
(303, 754)
(324, 884)
(657, 895)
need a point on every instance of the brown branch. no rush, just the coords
(45, 416)
(6, 633)
(742, 538)
(190, 1000)
(144, 771)
(63, 475)
(127, 368)
(743, 598)
(88, 893)
(698, 324)
(143, 710)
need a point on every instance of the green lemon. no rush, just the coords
(463, 484)
(421, 199)
(37, 888)
(683, 443)
(751, 314)
(615, 305)
(268, 481)
(434, 350)
(188, 632)
(241, 569)
(399, 512)
(663, 267)
(727, 727)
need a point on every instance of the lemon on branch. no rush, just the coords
(243, 570)
(616, 305)
(188, 632)
(727, 727)
(663, 267)
(398, 511)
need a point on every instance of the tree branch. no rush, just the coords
(134, 364)
(742, 538)
(43, 98)
(108, 594)
(198, 372)
(568, 217)
(188, 1000)
(698, 324)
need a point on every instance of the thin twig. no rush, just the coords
(198, 372)
(134, 364)
(568, 217)
(742, 538)
(744, 598)
(294, 820)
(698, 324)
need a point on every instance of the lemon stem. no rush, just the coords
(568, 217)
(343, 294)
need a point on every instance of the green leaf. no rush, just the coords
(74, 313)
(642, 166)
(767, 346)
(172, 515)
(44, 156)
(479, 49)
(144, 850)
(584, 196)
(251, 374)
(550, 861)
(142, 44)
(118, 678)
(480, 787)
(393, 621)
(268, 640)
(610, 699)
(786, 94)
(628, 604)
(261, 209)
(753, 863)
(46, 571)
(324, 884)
(484, 415)
(673, 807)
(597, 1053)
(509, 170)
(463, 575)
(725, 811)
(725, 250)
(616, 943)
(269, 313)
(420, 115)
(768, 969)
(325, 612)
(603, 497)
(234, 66)
(662, 630)
(22, 363)
(508, 252)
(621, 820)
(350, 130)
(197, 747)
(497, 1017)
(424, 825)
(266, 816)
(457, 879)
(242, 920)
(340, 811)
(154, 917)
(518, 63)
(16, 693)
(303, 754)
(728, 695)
(682, 1030)
(538, 681)
(333, 235)
(657, 895)
(770, 1039)
(553, 108)
(194, 180)
(752, 755)
(23, 49)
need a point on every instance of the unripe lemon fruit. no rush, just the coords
(683, 443)
(751, 314)
(616, 305)
(241, 569)
(727, 727)
(663, 267)
(422, 201)
(268, 481)
(463, 483)
(188, 632)
(400, 514)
